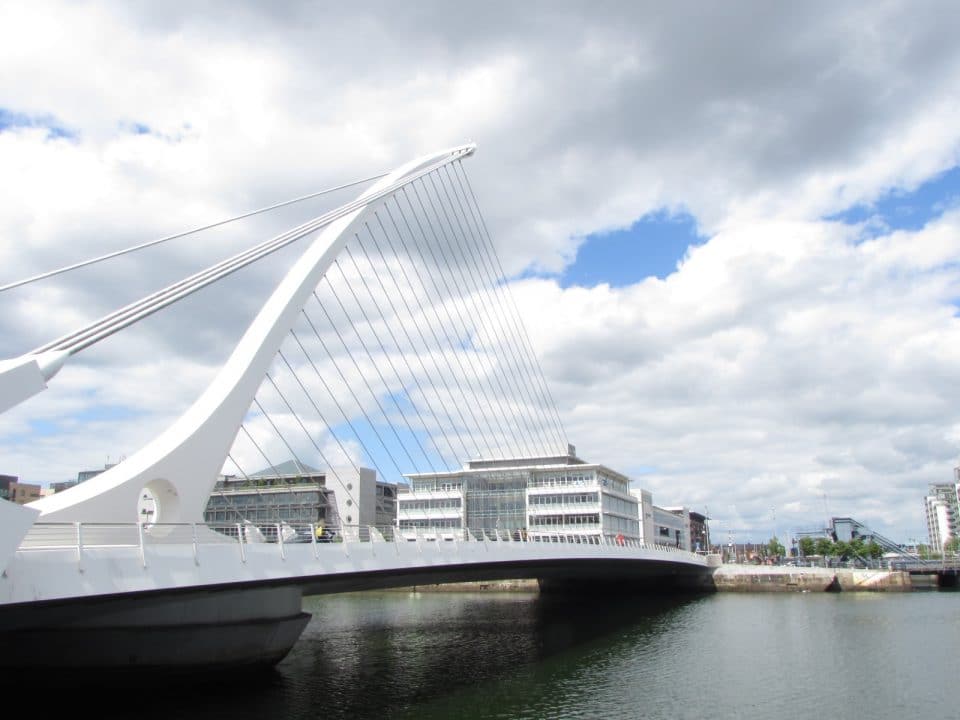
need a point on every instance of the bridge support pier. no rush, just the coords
(187, 630)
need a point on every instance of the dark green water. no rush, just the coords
(394, 655)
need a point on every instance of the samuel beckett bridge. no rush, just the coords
(392, 340)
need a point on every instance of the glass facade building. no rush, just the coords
(539, 497)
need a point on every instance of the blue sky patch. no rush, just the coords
(652, 246)
(899, 209)
(55, 129)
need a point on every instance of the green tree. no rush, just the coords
(874, 550)
(953, 545)
(775, 548)
(857, 547)
(841, 549)
(824, 546)
(808, 546)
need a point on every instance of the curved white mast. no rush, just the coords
(180, 467)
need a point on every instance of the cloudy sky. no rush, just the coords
(732, 230)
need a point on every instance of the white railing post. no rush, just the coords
(79, 546)
(143, 553)
(243, 554)
(196, 545)
(283, 551)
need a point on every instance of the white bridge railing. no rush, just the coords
(80, 537)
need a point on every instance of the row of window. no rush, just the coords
(562, 479)
(563, 499)
(550, 520)
(435, 485)
(436, 523)
(619, 505)
(612, 523)
(429, 504)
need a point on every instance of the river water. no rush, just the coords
(516, 655)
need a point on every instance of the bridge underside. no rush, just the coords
(245, 625)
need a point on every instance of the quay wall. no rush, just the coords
(763, 578)
(742, 578)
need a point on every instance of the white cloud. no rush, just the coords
(786, 358)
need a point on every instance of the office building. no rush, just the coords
(535, 497)
(942, 510)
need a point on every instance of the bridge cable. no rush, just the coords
(503, 308)
(465, 182)
(472, 400)
(477, 249)
(303, 389)
(486, 318)
(549, 426)
(306, 432)
(496, 372)
(461, 312)
(447, 297)
(134, 312)
(383, 349)
(443, 326)
(402, 294)
(336, 402)
(336, 366)
(386, 385)
(403, 355)
(270, 465)
(185, 233)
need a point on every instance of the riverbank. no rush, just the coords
(743, 578)
(775, 578)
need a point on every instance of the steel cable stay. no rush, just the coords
(373, 363)
(306, 393)
(469, 330)
(402, 355)
(413, 348)
(347, 385)
(386, 355)
(505, 289)
(470, 397)
(443, 350)
(526, 371)
(456, 302)
(330, 466)
(496, 374)
(117, 320)
(476, 249)
(478, 435)
(448, 300)
(511, 302)
(485, 318)
(336, 402)
(182, 234)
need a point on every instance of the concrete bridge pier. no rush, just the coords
(185, 630)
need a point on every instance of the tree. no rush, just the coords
(824, 546)
(953, 545)
(775, 548)
(857, 547)
(841, 549)
(874, 550)
(808, 546)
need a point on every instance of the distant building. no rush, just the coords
(5, 481)
(671, 526)
(538, 497)
(13, 490)
(942, 510)
(85, 475)
(301, 495)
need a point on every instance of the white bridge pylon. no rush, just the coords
(181, 466)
